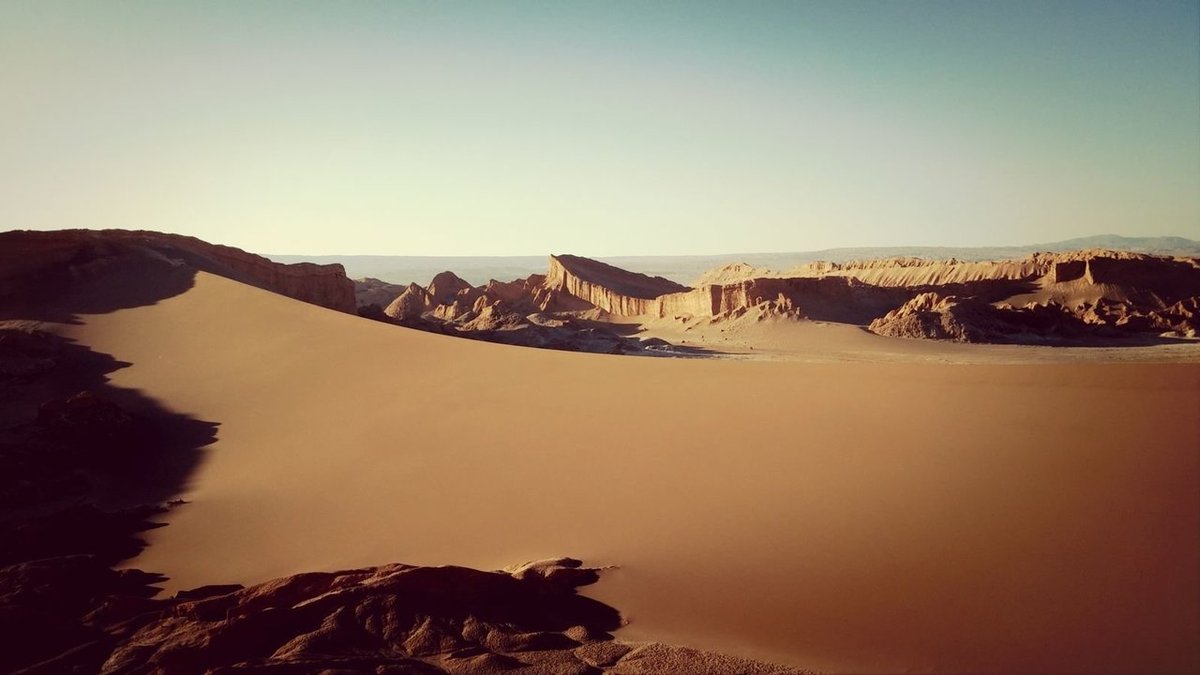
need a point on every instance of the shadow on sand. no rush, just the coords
(93, 280)
(85, 468)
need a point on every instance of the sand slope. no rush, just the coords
(843, 516)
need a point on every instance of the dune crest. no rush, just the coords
(37, 266)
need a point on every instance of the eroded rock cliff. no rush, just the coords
(831, 299)
(609, 288)
(1043, 297)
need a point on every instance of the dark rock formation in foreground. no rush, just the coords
(388, 619)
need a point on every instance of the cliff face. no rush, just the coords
(1043, 297)
(444, 287)
(29, 259)
(916, 272)
(324, 285)
(1094, 266)
(612, 289)
(827, 299)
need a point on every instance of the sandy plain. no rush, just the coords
(843, 513)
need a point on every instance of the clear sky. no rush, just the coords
(601, 128)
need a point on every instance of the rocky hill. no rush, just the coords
(1042, 298)
(369, 291)
(44, 265)
(840, 300)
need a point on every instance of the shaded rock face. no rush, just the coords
(36, 265)
(369, 291)
(427, 619)
(69, 442)
(324, 285)
(1042, 298)
(1181, 319)
(932, 316)
(936, 317)
(394, 618)
(444, 287)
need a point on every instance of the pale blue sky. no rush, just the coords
(601, 128)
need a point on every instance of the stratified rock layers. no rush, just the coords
(609, 288)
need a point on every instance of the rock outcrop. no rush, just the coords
(1181, 319)
(609, 288)
(397, 618)
(410, 304)
(1043, 297)
(48, 263)
(733, 273)
(936, 317)
(369, 291)
(1091, 266)
(832, 299)
(531, 312)
(324, 285)
(918, 272)
(444, 287)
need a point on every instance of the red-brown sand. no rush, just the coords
(847, 516)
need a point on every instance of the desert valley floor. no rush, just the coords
(991, 517)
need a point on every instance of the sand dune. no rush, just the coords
(844, 516)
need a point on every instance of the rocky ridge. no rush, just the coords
(535, 312)
(400, 618)
(609, 288)
(37, 265)
(369, 291)
(1042, 298)
(1077, 295)
(938, 317)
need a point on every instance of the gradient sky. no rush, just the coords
(601, 128)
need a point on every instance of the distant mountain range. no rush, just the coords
(686, 269)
